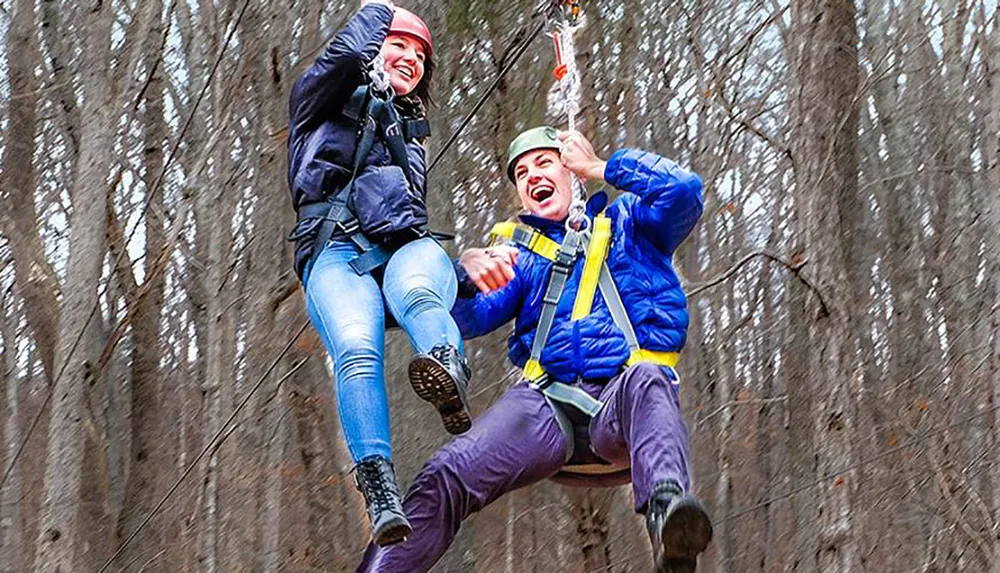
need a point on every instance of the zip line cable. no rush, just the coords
(212, 445)
(489, 91)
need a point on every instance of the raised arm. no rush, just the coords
(670, 201)
(325, 87)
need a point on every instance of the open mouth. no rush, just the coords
(541, 193)
(405, 71)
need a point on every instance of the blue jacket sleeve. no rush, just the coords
(480, 313)
(670, 201)
(326, 86)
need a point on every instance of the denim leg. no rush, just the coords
(420, 288)
(346, 311)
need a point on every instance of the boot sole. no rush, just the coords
(685, 535)
(433, 384)
(396, 531)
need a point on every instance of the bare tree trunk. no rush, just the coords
(60, 53)
(36, 280)
(993, 207)
(149, 450)
(216, 201)
(61, 538)
(11, 518)
(825, 136)
(591, 508)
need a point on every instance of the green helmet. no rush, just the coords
(536, 138)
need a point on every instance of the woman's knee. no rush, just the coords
(422, 268)
(358, 353)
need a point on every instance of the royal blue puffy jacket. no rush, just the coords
(660, 205)
(321, 140)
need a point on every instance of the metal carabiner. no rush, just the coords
(572, 11)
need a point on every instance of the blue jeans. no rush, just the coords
(348, 312)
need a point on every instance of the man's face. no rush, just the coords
(404, 61)
(543, 184)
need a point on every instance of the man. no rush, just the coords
(599, 403)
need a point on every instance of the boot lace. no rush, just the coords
(450, 358)
(375, 480)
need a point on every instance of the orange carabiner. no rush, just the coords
(560, 71)
(573, 10)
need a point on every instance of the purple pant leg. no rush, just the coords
(515, 443)
(641, 422)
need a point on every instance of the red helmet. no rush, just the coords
(408, 23)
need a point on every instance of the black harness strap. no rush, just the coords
(334, 217)
(339, 217)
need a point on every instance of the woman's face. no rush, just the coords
(404, 62)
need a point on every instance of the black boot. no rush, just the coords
(376, 480)
(679, 528)
(442, 378)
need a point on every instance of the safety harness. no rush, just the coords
(333, 217)
(595, 276)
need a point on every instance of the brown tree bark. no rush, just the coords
(824, 135)
(63, 533)
(36, 279)
(11, 514)
(55, 14)
(993, 182)
(149, 453)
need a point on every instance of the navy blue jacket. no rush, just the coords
(660, 205)
(321, 140)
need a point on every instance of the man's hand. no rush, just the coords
(578, 156)
(491, 268)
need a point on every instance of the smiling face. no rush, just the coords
(404, 61)
(544, 186)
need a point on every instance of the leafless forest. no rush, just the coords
(842, 373)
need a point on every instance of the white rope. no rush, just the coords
(379, 77)
(568, 102)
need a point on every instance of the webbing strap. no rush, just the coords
(393, 130)
(598, 276)
(339, 210)
(617, 307)
(355, 108)
(378, 113)
(528, 238)
(618, 313)
(574, 396)
(561, 269)
(597, 253)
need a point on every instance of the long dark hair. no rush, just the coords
(423, 89)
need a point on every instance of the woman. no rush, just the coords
(357, 174)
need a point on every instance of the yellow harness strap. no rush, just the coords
(526, 237)
(597, 253)
(661, 358)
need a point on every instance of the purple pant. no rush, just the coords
(518, 442)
